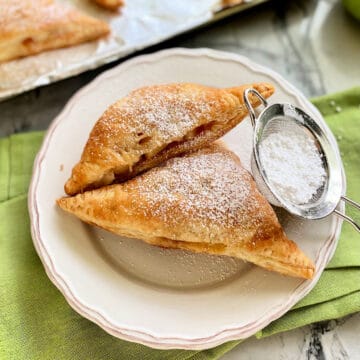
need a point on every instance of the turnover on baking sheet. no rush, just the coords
(204, 201)
(153, 124)
(29, 27)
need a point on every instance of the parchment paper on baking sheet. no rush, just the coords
(140, 23)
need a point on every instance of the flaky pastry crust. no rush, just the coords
(153, 124)
(204, 202)
(29, 27)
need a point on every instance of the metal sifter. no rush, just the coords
(278, 117)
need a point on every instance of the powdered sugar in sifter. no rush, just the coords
(283, 118)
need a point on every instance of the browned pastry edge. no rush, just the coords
(230, 3)
(286, 268)
(112, 5)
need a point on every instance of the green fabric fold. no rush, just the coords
(342, 113)
(17, 154)
(37, 323)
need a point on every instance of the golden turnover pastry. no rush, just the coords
(204, 202)
(29, 27)
(110, 4)
(153, 124)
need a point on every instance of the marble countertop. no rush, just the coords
(315, 45)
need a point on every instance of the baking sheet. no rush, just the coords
(139, 24)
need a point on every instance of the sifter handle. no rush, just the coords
(348, 218)
(248, 103)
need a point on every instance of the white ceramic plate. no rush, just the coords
(163, 298)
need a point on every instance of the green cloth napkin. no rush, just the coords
(37, 323)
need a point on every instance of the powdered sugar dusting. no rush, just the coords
(293, 165)
(19, 15)
(210, 186)
(166, 112)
